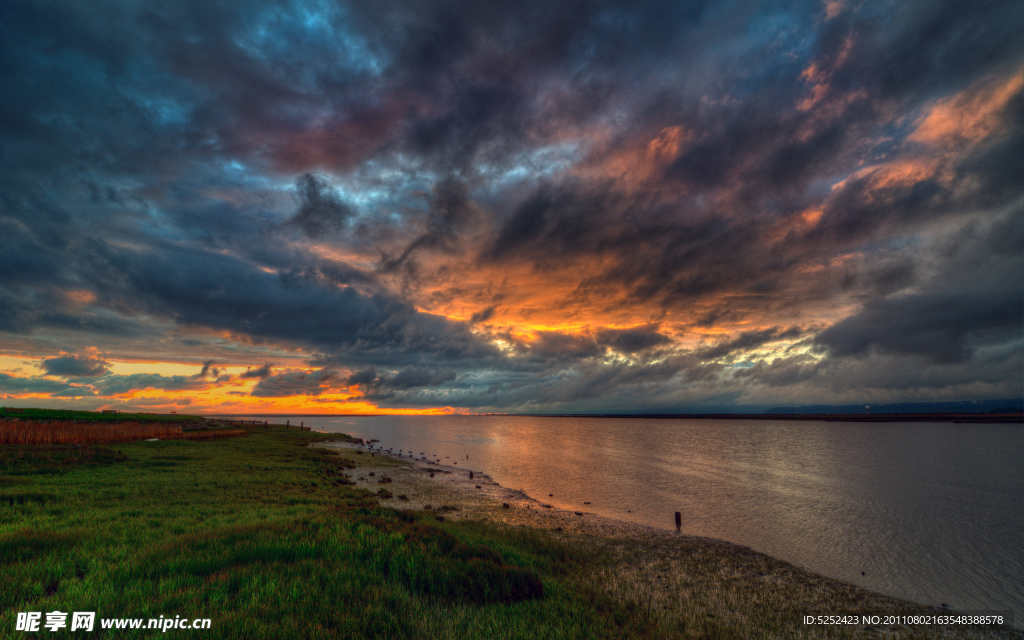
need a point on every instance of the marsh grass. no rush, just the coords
(19, 460)
(36, 432)
(82, 433)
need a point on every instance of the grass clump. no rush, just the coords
(18, 461)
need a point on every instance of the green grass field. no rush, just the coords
(267, 538)
(264, 536)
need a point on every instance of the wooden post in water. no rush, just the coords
(287, 424)
(679, 521)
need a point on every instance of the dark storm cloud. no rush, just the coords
(207, 370)
(407, 386)
(449, 214)
(974, 300)
(452, 82)
(24, 261)
(560, 220)
(16, 385)
(942, 327)
(259, 372)
(74, 392)
(554, 344)
(421, 377)
(483, 315)
(364, 377)
(74, 366)
(113, 384)
(598, 386)
(296, 383)
(926, 47)
(784, 372)
(595, 382)
(212, 290)
(657, 251)
(22, 313)
(320, 210)
(105, 385)
(190, 286)
(746, 164)
(632, 340)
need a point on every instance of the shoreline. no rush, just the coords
(452, 484)
(696, 579)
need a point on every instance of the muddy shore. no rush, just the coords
(707, 587)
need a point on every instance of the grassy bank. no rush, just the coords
(268, 538)
(265, 537)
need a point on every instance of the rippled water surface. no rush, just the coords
(930, 512)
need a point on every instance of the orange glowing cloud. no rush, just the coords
(223, 395)
(220, 401)
(903, 172)
(833, 8)
(908, 172)
(80, 297)
(520, 298)
(969, 116)
(639, 164)
(818, 75)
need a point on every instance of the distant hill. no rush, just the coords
(1009, 405)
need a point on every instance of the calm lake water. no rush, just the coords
(930, 512)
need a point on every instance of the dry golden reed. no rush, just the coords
(85, 433)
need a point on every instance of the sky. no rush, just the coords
(529, 206)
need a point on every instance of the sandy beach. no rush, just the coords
(701, 584)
